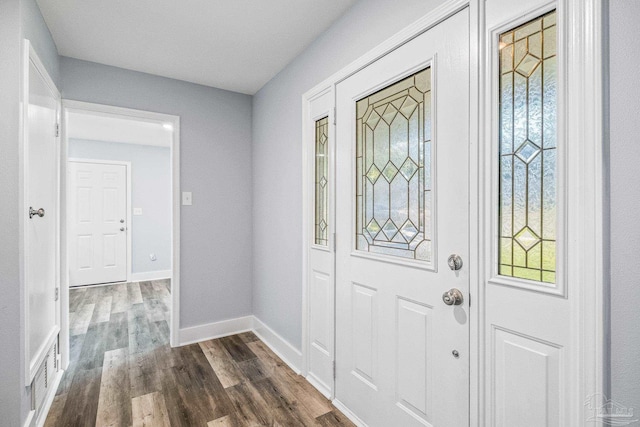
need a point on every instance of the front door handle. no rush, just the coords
(453, 297)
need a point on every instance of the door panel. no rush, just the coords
(320, 276)
(97, 223)
(41, 191)
(402, 207)
(536, 391)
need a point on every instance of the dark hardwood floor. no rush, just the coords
(124, 373)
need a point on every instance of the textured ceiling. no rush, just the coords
(237, 45)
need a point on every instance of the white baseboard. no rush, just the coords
(285, 351)
(29, 421)
(214, 330)
(319, 385)
(151, 275)
(354, 419)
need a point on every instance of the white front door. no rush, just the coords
(402, 209)
(97, 223)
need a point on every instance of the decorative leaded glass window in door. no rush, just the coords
(393, 162)
(322, 176)
(527, 129)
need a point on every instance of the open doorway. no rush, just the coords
(120, 229)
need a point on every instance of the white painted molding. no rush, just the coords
(30, 419)
(319, 385)
(281, 347)
(215, 330)
(347, 413)
(151, 275)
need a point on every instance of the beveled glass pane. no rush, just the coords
(322, 181)
(393, 134)
(528, 117)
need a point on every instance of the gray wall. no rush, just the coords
(277, 150)
(18, 19)
(215, 138)
(150, 191)
(12, 394)
(36, 31)
(625, 202)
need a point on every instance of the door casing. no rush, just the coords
(31, 366)
(584, 122)
(70, 106)
(129, 222)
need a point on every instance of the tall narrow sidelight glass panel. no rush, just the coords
(528, 118)
(393, 170)
(322, 176)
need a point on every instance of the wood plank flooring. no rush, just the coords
(124, 373)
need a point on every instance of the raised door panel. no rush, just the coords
(364, 334)
(414, 358)
(526, 380)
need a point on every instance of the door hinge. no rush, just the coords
(57, 130)
(57, 294)
(334, 242)
(334, 369)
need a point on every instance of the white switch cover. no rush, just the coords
(186, 198)
(137, 211)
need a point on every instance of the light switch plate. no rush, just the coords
(187, 199)
(137, 211)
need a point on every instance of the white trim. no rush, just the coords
(128, 219)
(319, 385)
(29, 56)
(586, 180)
(71, 105)
(210, 331)
(42, 415)
(347, 413)
(281, 347)
(28, 422)
(151, 275)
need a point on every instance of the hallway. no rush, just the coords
(123, 372)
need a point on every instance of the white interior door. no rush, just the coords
(402, 209)
(41, 212)
(97, 223)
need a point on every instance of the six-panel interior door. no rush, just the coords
(97, 223)
(402, 208)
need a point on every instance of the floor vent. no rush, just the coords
(40, 387)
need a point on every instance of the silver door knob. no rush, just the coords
(452, 297)
(455, 262)
(122, 221)
(121, 228)
(33, 212)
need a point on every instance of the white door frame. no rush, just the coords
(129, 223)
(71, 106)
(29, 55)
(584, 125)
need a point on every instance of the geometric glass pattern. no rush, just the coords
(528, 136)
(393, 163)
(322, 176)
